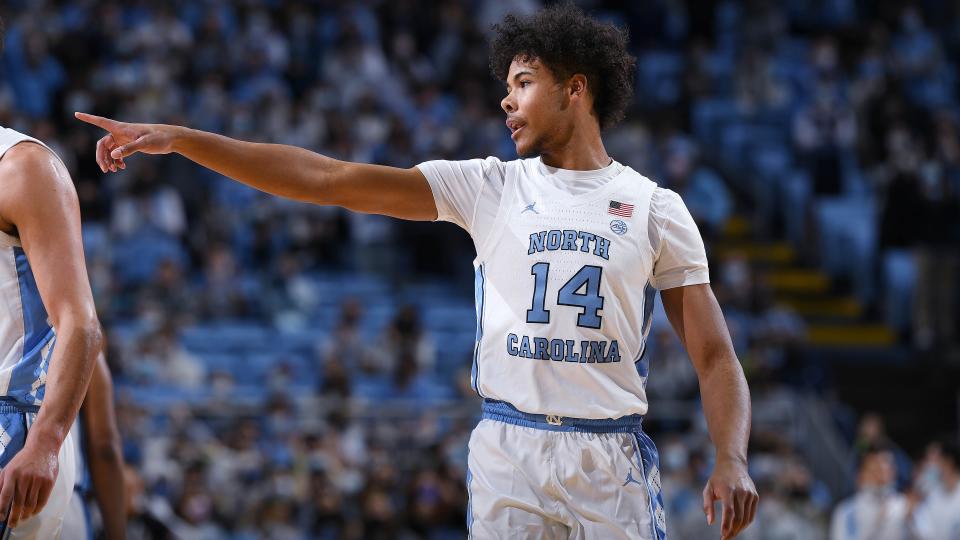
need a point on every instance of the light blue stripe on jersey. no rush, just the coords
(479, 297)
(37, 333)
(642, 362)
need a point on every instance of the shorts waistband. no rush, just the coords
(505, 412)
(10, 405)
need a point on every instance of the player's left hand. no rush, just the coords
(26, 483)
(730, 484)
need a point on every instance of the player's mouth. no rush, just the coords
(515, 127)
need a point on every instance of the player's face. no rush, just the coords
(535, 107)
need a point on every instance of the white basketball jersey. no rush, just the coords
(568, 265)
(26, 337)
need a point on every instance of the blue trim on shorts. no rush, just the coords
(14, 425)
(649, 459)
(10, 405)
(469, 501)
(502, 411)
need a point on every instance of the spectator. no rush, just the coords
(876, 511)
(938, 515)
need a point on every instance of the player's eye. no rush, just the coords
(523, 84)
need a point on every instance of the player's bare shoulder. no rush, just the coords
(29, 159)
(31, 172)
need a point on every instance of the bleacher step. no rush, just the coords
(757, 252)
(842, 307)
(799, 281)
(736, 227)
(855, 335)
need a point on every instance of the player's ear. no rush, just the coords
(577, 85)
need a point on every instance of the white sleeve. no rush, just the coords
(681, 258)
(457, 186)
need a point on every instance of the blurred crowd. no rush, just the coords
(835, 128)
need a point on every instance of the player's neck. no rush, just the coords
(583, 151)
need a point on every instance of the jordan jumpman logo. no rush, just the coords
(630, 478)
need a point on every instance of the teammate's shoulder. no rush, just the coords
(30, 168)
(26, 154)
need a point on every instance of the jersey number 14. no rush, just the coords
(589, 299)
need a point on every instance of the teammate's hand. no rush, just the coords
(125, 139)
(26, 483)
(731, 485)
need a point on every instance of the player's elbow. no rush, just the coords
(83, 327)
(715, 359)
(92, 335)
(107, 449)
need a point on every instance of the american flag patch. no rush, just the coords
(618, 208)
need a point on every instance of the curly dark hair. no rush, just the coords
(568, 41)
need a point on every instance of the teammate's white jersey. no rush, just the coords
(26, 337)
(568, 265)
(26, 345)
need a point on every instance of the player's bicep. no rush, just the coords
(43, 206)
(695, 315)
(378, 189)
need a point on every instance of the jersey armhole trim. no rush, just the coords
(662, 235)
(476, 201)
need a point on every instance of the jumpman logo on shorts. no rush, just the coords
(530, 208)
(630, 478)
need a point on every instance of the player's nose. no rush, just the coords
(508, 105)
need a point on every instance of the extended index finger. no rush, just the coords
(99, 121)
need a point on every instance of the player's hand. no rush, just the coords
(125, 139)
(731, 485)
(26, 483)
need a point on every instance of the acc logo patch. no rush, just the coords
(618, 227)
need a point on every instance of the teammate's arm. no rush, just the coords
(282, 170)
(104, 454)
(38, 199)
(695, 315)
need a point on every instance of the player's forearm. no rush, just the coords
(106, 470)
(282, 170)
(78, 343)
(726, 404)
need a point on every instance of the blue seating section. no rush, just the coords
(254, 354)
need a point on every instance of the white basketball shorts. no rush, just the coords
(537, 476)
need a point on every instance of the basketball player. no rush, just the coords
(99, 460)
(572, 247)
(49, 336)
